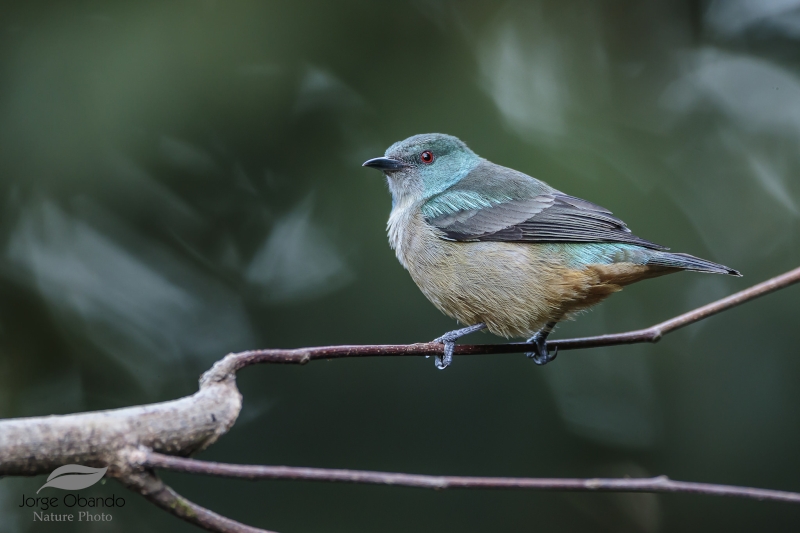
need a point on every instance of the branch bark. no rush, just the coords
(132, 441)
(37, 445)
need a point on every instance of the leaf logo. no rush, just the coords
(73, 477)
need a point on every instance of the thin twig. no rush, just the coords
(654, 333)
(654, 484)
(651, 334)
(154, 489)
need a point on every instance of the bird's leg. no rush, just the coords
(449, 340)
(540, 355)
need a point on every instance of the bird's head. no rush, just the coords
(424, 165)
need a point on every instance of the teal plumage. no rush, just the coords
(495, 248)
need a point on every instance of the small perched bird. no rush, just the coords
(497, 249)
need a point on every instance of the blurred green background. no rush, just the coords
(180, 180)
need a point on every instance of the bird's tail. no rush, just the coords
(689, 262)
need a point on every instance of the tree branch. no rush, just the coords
(654, 484)
(37, 445)
(133, 440)
(154, 489)
(651, 334)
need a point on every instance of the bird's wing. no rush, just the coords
(513, 207)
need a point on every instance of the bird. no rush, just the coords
(497, 249)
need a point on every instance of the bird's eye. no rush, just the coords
(426, 157)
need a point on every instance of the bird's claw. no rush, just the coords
(449, 340)
(444, 360)
(540, 353)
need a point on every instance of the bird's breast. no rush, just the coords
(504, 285)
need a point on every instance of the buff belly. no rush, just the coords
(514, 288)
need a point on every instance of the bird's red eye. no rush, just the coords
(426, 157)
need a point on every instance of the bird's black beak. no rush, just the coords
(385, 164)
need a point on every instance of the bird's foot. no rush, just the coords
(540, 353)
(449, 340)
(444, 360)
